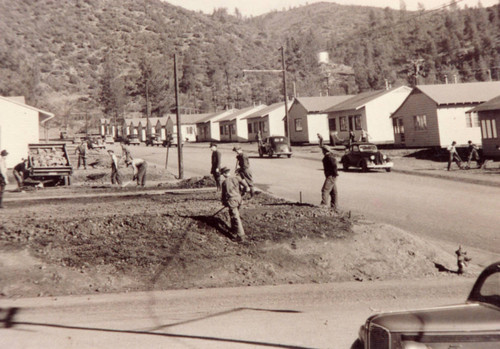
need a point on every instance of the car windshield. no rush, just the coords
(368, 148)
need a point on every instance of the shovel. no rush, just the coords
(216, 213)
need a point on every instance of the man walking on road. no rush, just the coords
(115, 174)
(140, 166)
(231, 198)
(243, 168)
(473, 155)
(216, 165)
(81, 150)
(329, 186)
(453, 156)
(3, 174)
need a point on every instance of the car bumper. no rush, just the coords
(372, 165)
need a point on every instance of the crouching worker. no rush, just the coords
(139, 167)
(20, 172)
(231, 198)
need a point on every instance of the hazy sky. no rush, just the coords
(258, 7)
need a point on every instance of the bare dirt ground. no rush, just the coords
(141, 241)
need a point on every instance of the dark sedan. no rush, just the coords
(275, 145)
(475, 324)
(365, 156)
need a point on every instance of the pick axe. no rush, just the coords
(219, 211)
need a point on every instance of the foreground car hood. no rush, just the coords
(461, 318)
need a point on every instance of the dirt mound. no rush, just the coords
(145, 242)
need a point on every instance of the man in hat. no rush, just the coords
(115, 174)
(81, 150)
(473, 155)
(231, 198)
(329, 186)
(3, 174)
(243, 168)
(139, 166)
(216, 164)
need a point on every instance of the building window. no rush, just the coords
(343, 123)
(222, 130)
(357, 122)
(489, 128)
(264, 126)
(298, 125)
(332, 125)
(471, 120)
(249, 128)
(420, 122)
(232, 129)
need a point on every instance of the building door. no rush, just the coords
(351, 123)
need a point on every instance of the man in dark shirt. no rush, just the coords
(20, 172)
(473, 155)
(216, 164)
(329, 186)
(243, 168)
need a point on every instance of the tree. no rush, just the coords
(112, 96)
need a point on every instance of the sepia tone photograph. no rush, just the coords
(268, 174)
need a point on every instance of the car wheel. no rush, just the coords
(345, 165)
(357, 344)
(364, 166)
(388, 169)
(271, 153)
(289, 156)
(261, 154)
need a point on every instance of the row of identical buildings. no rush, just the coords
(424, 116)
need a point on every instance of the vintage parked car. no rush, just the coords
(365, 156)
(475, 324)
(132, 140)
(171, 140)
(154, 140)
(275, 145)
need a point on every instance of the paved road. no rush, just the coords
(288, 316)
(448, 211)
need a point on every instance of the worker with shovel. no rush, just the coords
(243, 168)
(231, 198)
(140, 166)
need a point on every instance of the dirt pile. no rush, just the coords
(146, 242)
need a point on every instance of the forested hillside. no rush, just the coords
(115, 57)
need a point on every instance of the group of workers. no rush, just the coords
(139, 166)
(472, 155)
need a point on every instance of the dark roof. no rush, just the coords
(492, 104)
(471, 92)
(320, 104)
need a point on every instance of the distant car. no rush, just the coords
(154, 140)
(365, 156)
(275, 145)
(475, 324)
(109, 140)
(171, 141)
(132, 140)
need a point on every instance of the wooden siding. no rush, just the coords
(489, 145)
(19, 126)
(377, 116)
(298, 112)
(452, 126)
(419, 104)
(317, 123)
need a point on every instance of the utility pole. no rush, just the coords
(284, 90)
(283, 71)
(179, 131)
